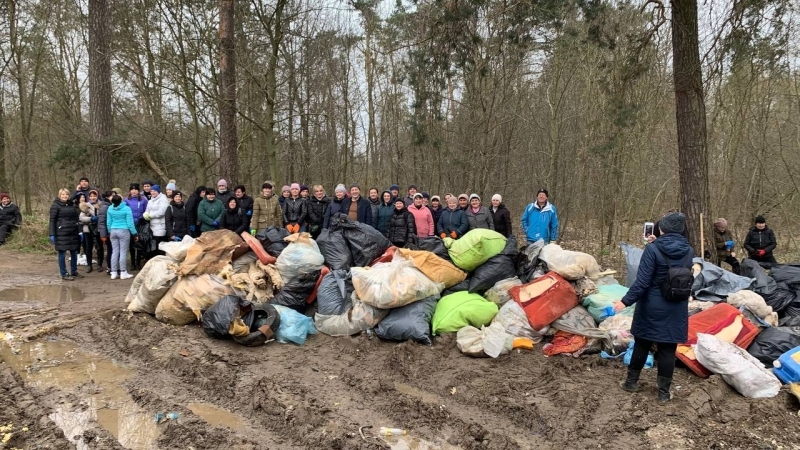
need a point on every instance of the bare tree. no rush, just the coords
(228, 139)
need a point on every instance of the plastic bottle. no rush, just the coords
(386, 431)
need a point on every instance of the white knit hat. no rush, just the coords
(497, 197)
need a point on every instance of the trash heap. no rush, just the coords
(494, 295)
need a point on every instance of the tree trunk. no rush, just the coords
(101, 118)
(271, 86)
(690, 112)
(3, 180)
(228, 140)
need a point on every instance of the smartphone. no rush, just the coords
(648, 229)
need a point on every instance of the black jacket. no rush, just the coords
(316, 210)
(453, 221)
(246, 203)
(760, 240)
(10, 215)
(235, 219)
(334, 207)
(295, 210)
(191, 208)
(437, 213)
(502, 220)
(64, 225)
(224, 197)
(364, 210)
(176, 222)
(401, 227)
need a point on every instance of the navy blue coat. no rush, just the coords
(657, 319)
(363, 211)
(453, 221)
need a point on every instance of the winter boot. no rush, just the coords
(663, 389)
(90, 269)
(631, 383)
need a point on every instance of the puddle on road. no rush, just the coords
(414, 443)
(61, 365)
(216, 416)
(45, 293)
(414, 392)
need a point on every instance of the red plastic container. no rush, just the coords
(387, 256)
(313, 295)
(258, 249)
(545, 299)
(712, 321)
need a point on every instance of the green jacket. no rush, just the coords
(208, 213)
(720, 240)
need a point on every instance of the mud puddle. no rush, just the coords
(96, 381)
(415, 443)
(42, 293)
(216, 416)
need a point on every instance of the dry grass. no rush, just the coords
(32, 237)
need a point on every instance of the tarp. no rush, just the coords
(714, 283)
(632, 257)
(763, 284)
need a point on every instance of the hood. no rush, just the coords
(120, 206)
(674, 245)
(391, 198)
(84, 207)
(547, 206)
(229, 209)
(198, 191)
(266, 196)
(10, 204)
(177, 205)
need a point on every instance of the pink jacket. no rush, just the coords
(423, 219)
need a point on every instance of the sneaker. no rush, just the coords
(77, 275)
(67, 278)
(114, 275)
(125, 276)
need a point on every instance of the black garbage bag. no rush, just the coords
(780, 298)
(294, 292)
(771, 343)
(511, 250)
(790, 322)
(272, 240)
(497, 268)
(764, 284)
(528, 260)
(412, 321)
(334, 248)
(334, 293)
(366, 243)
(145, 243)
(463, 286)
(431, 244)
(261, 319)
(790, 275)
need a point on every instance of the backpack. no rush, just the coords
(677, 286)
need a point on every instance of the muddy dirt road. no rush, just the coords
(94, 376)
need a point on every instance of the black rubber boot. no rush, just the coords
(89, 270)
(631, 383)
(663, 389)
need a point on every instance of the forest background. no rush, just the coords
(484, 96)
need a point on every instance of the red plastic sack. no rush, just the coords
(545, 299)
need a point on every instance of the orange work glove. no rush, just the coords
(453, 235)
(103, 240)
(442, 235)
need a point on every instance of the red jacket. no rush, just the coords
(423, 219)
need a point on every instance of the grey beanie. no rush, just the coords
(672, 223)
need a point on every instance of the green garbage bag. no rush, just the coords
(601, 305)
(455, 311)
(474, 248)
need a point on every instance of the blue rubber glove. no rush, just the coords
(81, 235)
(176, 239)
(215, 224)
(729, 244)
(53, 240)
(191, 228)
(250, 213)
(94, 219)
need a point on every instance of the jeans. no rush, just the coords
(109, 251)
(88, 247)
(665, 356)
(5, 232)
(120, 240)
(73, 262)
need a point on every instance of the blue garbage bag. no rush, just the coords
(294, 327)
(626, 357)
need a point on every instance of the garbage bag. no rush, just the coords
(432, 244)
(294, 327)
(786, 274)
(463, 286)
(601, 305)
(394, 284)
(499, 292)
(570, 265)
(763, 285)
(177, 250)
(295, 291)
(435, 268)
(145, 243)
(249, 324)
(497, 268)
(578, 321)
(513, 319)
(333, 295)
(409, 322)
(150, 285)
(217, 319)
(790, 322)
(511, 249)
(475, 248)
(780, 299)
(584, 287)
(772, 342)
(528, 260)
(633, 255)
(491, 341)
(566, 343)
(618, 328)
(272, 239)
(365, 242)
(359, 318)
(739, 369)
(300, 258)
(714, 283)
(334, 248)
(461, 309)
(210, 253)
(185, 300)
(754, 302)
(242, 264)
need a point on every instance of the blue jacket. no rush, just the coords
(540, 223)
(656, 318)
(120, 218)
(137, 205)
(453, 221)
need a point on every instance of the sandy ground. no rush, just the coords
(94, 376)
